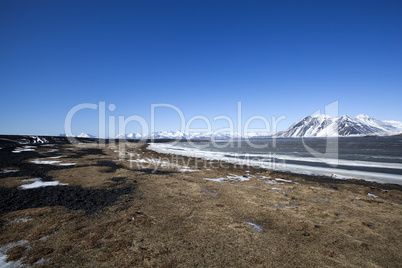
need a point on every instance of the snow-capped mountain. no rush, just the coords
(82, 135)
(310, 126)
(396, 124)
(85, 135)
(327, 126)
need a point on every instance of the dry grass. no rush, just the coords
(179, 219)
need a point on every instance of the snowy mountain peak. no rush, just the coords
(346, 117)
(327, 126)
(83, 135)
(363, 117)
(321, 116)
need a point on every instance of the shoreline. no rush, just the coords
(254, 160)
(308, 177)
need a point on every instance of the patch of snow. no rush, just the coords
(24, 141)
(27, 180)
(355, 197)
(51, 162)
(67, 164)
(278, 179)
(21, 220)
(187, 169)
(240, 178)
(3, 255)
(217, 179)
(276, 188)
(43, 238)
(138, 160)
(273, 182)
(231, 177)
(256, 226)
(21, 149)
(330, 191)
(39, 183)
(8, 171)
(40, 262)
(37, 139)
(45, 162)
(372, 195)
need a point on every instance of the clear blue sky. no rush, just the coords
(276, 57)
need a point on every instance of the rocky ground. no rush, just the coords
(123, 205)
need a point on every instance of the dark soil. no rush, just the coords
(71, 197)
(18, 160)
(121, 179)
(87, 151)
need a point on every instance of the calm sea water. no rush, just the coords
(374, 158)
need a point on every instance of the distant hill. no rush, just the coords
(177, 135)
(82, 135)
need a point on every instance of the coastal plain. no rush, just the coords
(120, 204)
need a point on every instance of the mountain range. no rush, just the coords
(82, 135)
(310, 126)
(194, 135)
(327, 126)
